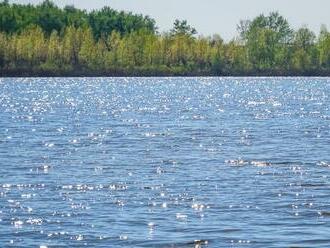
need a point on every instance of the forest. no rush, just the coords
(46, 40)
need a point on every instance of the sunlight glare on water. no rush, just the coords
(164, 162)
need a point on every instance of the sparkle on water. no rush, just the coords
(165, 162)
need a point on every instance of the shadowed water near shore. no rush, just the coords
(164, 162)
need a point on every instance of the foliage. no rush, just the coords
(183, 28)
(17, 17)
(265, 37)
(48, 40)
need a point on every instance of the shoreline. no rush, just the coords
(78, 74)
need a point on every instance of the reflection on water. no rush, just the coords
(164, 162)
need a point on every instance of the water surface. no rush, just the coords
(165, 162)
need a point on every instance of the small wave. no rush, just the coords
(260, 163)
(324, 213)
(255, 103)
(324, 164)
(241, 162)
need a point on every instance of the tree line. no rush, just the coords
(47, 40)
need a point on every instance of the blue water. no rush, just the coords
(165, 162)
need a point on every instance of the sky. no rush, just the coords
(214, 16)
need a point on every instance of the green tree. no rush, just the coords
(53, 61)
(112, 57)
(304, 38)
(54, 49)
(217, 58)
(50, 18)
(3, 41)
(183, 28)
(324, 48)
(75, 17)
(71, 45)
(31, 47)
(8, 22)
(265, 36)
(235, 60)
(305, 52)
(103, 22)
(87, 51)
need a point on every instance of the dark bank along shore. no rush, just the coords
(13, 74)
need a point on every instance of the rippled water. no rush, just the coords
(165, 162)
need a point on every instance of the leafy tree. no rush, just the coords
(106, 20)
(50, 17)
(4, 2)
(2, 49)
(88, 50)
(71, 45)
(31, 47)
(324, 48)
(17, 17)
(304, 56)
(235, 59)
(54, 49)
(113, 44)
(75, 17)
(183, 28)
(217, 58)
(8, 22)
(264, 37)
(304, 38)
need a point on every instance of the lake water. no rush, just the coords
(165, 162)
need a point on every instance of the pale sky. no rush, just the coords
(214, 16)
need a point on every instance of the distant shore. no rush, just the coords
(49, 41)
(31, 73)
